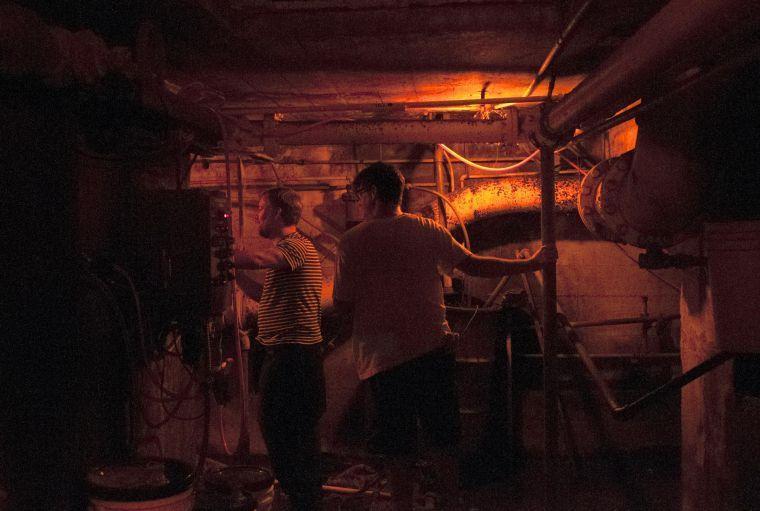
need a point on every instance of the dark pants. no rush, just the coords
(420, 390)
(292, 400)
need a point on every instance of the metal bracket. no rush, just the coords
(657, 259)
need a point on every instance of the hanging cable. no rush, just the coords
(456, 213)
(244, 438)
(316, 125)
(464, 160)
(653, 274)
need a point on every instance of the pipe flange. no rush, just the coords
(544, 136)
(587, 201)
(608, 199)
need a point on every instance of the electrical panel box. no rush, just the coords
(178, 246)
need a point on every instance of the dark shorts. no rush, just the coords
(423, 390)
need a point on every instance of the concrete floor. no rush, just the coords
(634, 481)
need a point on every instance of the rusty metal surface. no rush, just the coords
(388, 132)
(514, 195)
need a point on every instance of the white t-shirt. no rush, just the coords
(390, 270)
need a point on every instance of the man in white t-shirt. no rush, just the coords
(388, 278)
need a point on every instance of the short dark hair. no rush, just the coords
(288, 201)
(386, 181)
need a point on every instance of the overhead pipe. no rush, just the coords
(342, 132)
(558, 47)
(241, 108)
(681, 30)
(651, 198)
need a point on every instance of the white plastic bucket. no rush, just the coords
(181, 502)
(148, 484)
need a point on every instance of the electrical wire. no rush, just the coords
(626, 254)
(572, 164)
(276, 175)
(244, 437)
(454, 209)
(316, 125)
(489, 169)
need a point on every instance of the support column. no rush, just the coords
(549, 325)
(708, 472)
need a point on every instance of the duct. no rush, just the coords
(386, 132)
(681, 31)
(497, 197)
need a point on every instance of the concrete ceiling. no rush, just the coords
(270, 54)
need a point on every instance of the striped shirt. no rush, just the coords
(289, 310)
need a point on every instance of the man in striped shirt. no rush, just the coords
(292, 380)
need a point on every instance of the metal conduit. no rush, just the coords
(556, 50)
(548, 321)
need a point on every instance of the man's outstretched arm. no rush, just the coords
(485, 266)
(260, 258)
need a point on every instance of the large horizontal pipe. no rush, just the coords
(682, 30)
(386, 132)
(515, 195)
(242, 107)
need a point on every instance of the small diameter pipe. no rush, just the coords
(625, 321)
(558, 47)
(345, 490)
(627, 411)
(488, 169)
(502, 282)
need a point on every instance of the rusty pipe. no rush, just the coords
(681, 30)
(624, 412)
(518, 194)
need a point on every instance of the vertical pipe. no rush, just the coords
(438, 157)
(549, 324)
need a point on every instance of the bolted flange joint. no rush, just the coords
(544, 135)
